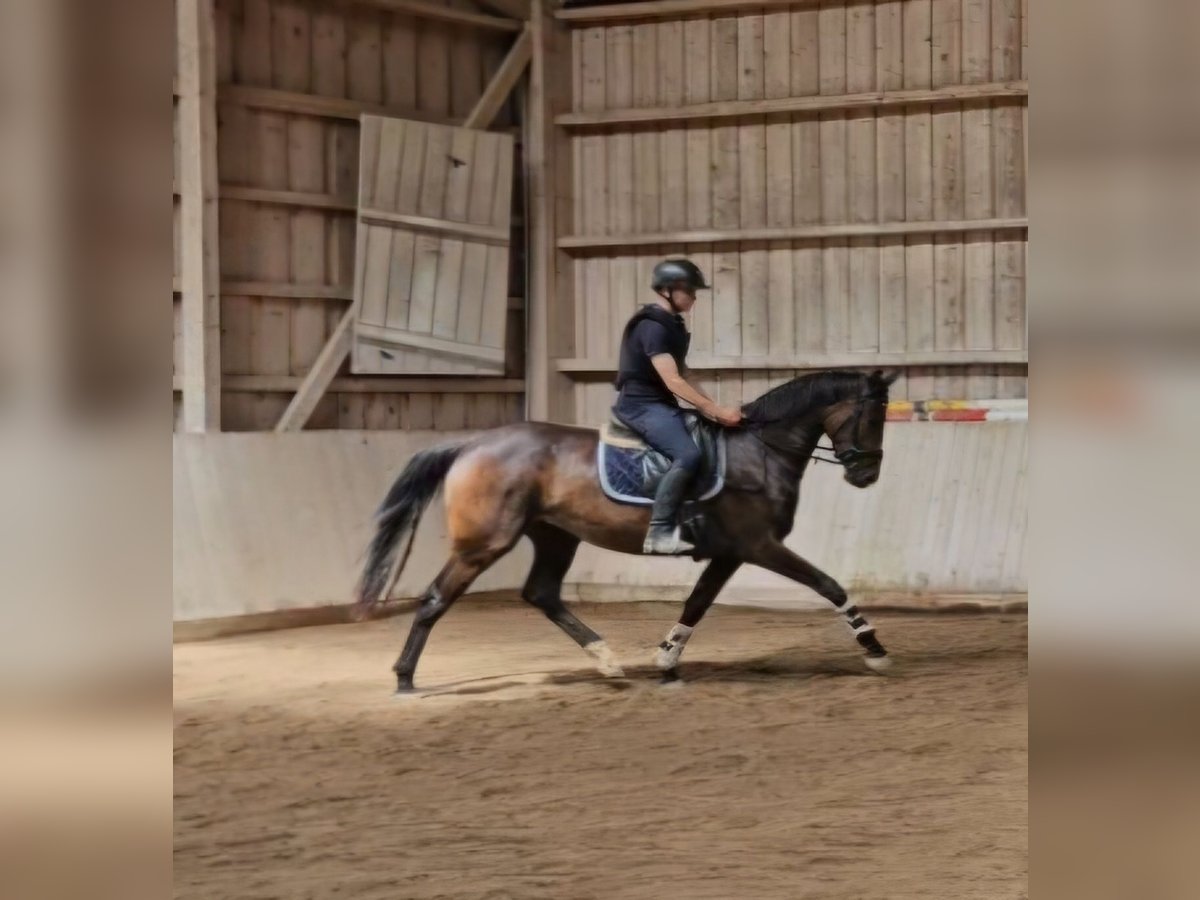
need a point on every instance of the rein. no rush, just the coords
(846, 458)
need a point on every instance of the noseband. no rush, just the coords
(853, 456)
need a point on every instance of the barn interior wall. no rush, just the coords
(288, 171)
(780, 306)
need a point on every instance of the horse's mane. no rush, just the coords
(794, 398)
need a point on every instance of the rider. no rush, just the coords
(650, 377)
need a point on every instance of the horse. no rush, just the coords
(539, 480)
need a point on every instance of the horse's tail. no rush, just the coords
(399, 513)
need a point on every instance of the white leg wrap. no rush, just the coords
(667, 657)
(606, 662)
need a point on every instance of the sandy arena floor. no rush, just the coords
(782, 768)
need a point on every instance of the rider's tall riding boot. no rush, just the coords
(663, 538)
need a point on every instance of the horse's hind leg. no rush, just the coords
(456, 576)
(553, 551)
(779, 559)
(712, 579)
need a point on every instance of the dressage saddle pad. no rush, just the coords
(630, 470)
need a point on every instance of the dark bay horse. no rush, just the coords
(539, 481)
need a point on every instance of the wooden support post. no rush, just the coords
(337, 348)
(551, 314)
(200, 280)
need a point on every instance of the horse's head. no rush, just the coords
(855, 427)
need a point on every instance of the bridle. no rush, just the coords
(853, 455)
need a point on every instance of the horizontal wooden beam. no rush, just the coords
(286, 290)
(797, 233)
(390, 337)
(864, 360)
(287, 198)
(486, 234)
(732, 109)
(442, 12)
(317, 105)
(375, 384)
(513, 9)
(664, 9)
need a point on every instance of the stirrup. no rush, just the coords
(663, 540)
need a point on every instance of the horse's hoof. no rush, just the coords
(670, 678)
(880, 664)
(606, 662)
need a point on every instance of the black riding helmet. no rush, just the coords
(671, 273)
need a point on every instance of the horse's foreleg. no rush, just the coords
(553, 551)
(775, 557)
(712, 579)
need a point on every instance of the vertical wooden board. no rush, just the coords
(475, 257)
(777, 51)
(809, 274)
(863, 265)
(836, 286)
(267, 150)
(449, 412)
(752, 188)
(918, 183)
(805, 130)
(781, 302)
(428, 247)
(860, 127)
(948, 202)
(726, 300)
(591, 301)
(235, 335)
(379, 190)
(223, 36)
(495, 299)
(291, 46)
(252, 60)
(270, 322)
(978, 267)
(1008, 176)
(352, 411)
(755, 301)
(236, 232)
(726, 205)
(1010, 294)
(622, 269)
(890, 128)
(466, 70)
(400, 62)
(672, 156)
(329, 52)
(697, 39)
(420, 412)
(831, 24)
(702, 313)
(233, 141)
(449, 276)
(364, 66)
(644, 41)
(893, 316)
(433, 68)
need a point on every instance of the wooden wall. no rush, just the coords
(293, 77)
(905, 280)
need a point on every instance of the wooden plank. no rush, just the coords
(752, 188)
(672, 155)
(495, 291)
(697, 38)
(657, 9)
(623, 292)
(592, 301)
(645, 173)
(286, 384)
(502, 83)
(918, 184)
(485, 234)
(834, 101)
(863, 253)
(443, 13)
(806, 360)
(322, 106)
(809, 307)
(400, 62)
(835, 261)
(777, 57)
(328, 52)
(489, 356)
(978, 255)
(427, 249)
(1008, 174)
(446, 295)
(468, 50)
(253, 62)
(475, 259)
(726, 202)
(949, 329)
(319, 377)
(199, 233)
(802, 232)
(294, 290)
(364, 56)
(309, 199)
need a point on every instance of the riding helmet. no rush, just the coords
(677, 273)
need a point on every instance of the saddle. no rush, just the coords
(630, 470)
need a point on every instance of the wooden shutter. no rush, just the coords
(431, 274)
